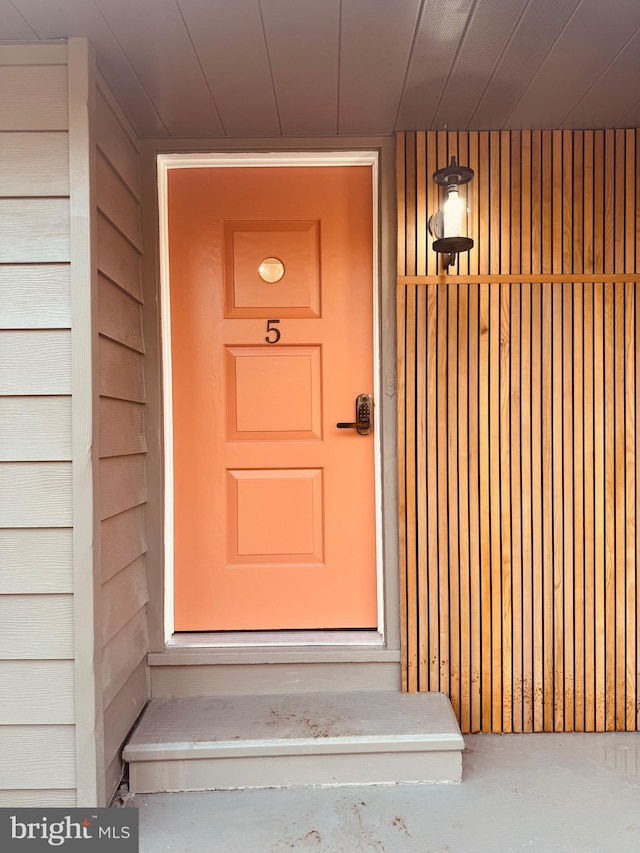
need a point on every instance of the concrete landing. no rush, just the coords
(541, 793)
(231, 742)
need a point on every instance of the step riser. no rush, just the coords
(261, 679)
(221, 774)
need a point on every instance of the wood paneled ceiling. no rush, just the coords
(264, 68)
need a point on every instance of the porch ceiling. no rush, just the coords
(264, 68)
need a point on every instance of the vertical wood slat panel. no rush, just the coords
(403, 510)
(519, 448)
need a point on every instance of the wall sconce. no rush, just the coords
(447, 224)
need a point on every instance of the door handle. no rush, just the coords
(363, 423)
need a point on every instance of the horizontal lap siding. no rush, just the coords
(520, 559)
(37, 739)
(122, 432)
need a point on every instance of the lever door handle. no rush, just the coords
(363, 423)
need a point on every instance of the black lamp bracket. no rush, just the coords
(453, 175)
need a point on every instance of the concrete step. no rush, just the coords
(289, 740)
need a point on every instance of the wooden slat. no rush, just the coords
(35, 494)
(497, 674)
(34, 230)
(514, 435)
(421, 205)
(402, 479)
(410, 203)
(422, 587)
(37, 692)
(536, 505)
(35, 561)
(637, 475)
(410, 492)
(507, 568)
(589, 512)
(432, 478)
(567, 503)
(578, 509)
(535, 234)
(442, 493)
(557, 420)
(485, 541)
(34, 164)
(524, 378)
(35, 429)
(631, 591)
(599, 505)
(444, 279)
(401, 205)
(609, 506)
(35, 297)
(451, 354)
(473, 218)
(463, 507)
(33, 97)
(620, 590)
(547, 503)
(34, 627)
(576, 241)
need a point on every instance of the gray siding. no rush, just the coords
(122, 433)
(37, 714)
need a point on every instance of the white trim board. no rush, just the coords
(274, 639)
(283, 159)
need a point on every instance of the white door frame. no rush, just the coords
(166, 162)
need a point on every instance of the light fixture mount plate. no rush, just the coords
(453, 174)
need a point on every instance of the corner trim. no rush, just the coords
(90, 779)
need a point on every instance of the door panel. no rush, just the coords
(271, 315)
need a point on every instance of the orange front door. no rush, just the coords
(271, 318)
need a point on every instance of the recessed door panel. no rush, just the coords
(272, 321)
(261, 405)
(275, 517)
(272, 264)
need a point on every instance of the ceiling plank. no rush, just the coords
(153, 36)
(66, 18)
(611, 98)
(532, 40)
(585, 47)
(375, 42)
(437, 38)
(302, 40)
(229, 41)
(13, 26)
(487, 35)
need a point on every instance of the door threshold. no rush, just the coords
(274, 639)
